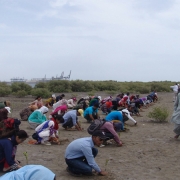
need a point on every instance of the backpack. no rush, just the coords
(12, 123)
(95, 125)
(8, 127)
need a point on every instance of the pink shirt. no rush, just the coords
(62, 108)
(108, 127)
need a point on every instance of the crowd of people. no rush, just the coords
(80, 154)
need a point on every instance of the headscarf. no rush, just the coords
(47, 125)
(43, 109)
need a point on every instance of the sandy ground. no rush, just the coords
(149, 150)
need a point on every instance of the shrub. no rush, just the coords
(4, 89)
(159, 114)
(41, 85)
(20, 94)
(92, 93)
(43, 92)
(19, 86)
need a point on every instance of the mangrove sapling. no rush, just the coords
(106, 163)
(26, 156)
(119, 133)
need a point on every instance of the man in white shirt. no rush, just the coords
(175, 90)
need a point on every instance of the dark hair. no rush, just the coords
(3, 114)
(38, 97)
(22, 134)
(62, 95)
(58, 117)
(96, 105)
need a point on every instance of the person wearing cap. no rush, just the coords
(80, 154)
(91, 113)
(37, 117)
(111, 129)
(71, 119)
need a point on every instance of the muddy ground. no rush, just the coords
(149, 151)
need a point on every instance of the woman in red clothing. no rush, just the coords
(123, 102)
(107, 106)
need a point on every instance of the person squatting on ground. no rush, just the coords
(71, 119)
(37, 117)
(8, 147)
(5, 104)
(60, 110)
(107, 106)
(49, 102)
(71, 103)
(59, 97)
(61, 102)
(26, 112)
(80, 154)
(91, 113)
(37, 102)
(4, 113)
(110, 129)
(47, 132)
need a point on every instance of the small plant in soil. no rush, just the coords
(26, 156)
(159, 114)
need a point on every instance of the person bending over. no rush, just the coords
(80, 154)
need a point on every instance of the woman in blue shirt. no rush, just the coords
(8, 148)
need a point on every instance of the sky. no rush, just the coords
(121, 40)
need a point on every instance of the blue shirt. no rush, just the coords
(29, 172)
(90, 110)
(6, 149)
(82, 147)
(70, 114)
(115, 115)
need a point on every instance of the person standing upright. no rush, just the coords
(175, 90)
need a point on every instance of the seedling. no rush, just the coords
(119, 133)
(106, 163)
(26, 156)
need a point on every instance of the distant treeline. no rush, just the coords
(45, 89)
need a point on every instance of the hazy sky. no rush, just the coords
(123, 40)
